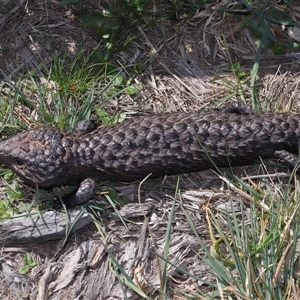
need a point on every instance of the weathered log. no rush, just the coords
(50, 225)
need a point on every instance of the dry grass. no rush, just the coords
(189, 70)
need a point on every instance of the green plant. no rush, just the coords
(74, 94)
(75, 77)
(239, 87)
(107, 119)
(60, 105)
(253, 253)
(114, 25)
(28, 263)
(13, 195)
(7, 210)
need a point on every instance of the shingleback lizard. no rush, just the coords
(162, 144)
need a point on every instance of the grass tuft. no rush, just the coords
(253, 251)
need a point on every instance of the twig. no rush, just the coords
(9, 15)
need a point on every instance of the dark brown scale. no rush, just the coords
(159, 144)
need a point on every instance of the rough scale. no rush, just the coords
(170, 143)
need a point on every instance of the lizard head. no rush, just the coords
(35, 156)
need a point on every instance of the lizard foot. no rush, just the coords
(83, 194)
(289, 159)
(83, 127)
(237, 107)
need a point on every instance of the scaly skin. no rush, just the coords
(166, 144)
